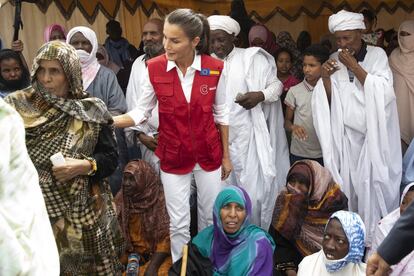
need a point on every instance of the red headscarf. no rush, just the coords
(262, 32)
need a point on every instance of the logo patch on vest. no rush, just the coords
(204, 89)
(208, 72)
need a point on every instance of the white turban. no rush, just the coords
(346, 21)
(225, 23)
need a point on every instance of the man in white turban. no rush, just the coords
(356, 120)
(258, 146)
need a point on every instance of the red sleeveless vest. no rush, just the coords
(187, 132)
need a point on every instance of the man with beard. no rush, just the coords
(258, 146)
(152, 36)
(13, 74)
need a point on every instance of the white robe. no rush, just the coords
(27, 244)
(359, 136)
(134, 91)
(260, 157)
(383, 228)
(314, 265)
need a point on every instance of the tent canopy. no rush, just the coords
(263, 10)
(278, 15)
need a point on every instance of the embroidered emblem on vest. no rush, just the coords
(204, 89)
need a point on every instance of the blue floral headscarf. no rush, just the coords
(354, 229)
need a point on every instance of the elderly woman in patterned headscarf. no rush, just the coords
(343, 247)
(59, 117)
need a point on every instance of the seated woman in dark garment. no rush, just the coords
(144, 219)
(302, 210)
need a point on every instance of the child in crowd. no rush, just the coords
(298, 117)
(284, 63)
(371, 37)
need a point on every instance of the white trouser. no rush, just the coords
(177, 196)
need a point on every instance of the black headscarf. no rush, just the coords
(23, 82)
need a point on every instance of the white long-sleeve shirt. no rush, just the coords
(142, 112)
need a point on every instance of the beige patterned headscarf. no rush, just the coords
(54, 124)
(68, 58)
(83, 221)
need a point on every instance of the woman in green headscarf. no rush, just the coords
(234, 246)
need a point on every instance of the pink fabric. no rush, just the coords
(262, 32)
(289, 82)
(402, 66)
(324, 178)
(406, 265)
(49, 29)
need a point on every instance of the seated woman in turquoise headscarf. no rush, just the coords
(234, 245)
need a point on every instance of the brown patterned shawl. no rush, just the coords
(302, 218)
(81, 213)
(144, 197)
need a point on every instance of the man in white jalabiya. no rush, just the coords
(27, 243)
(147, 134)
(356, 120)
(258, 146)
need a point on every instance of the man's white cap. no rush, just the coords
(225, 23)
(346, 21)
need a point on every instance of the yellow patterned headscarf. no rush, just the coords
(80, 210)
(68, 58)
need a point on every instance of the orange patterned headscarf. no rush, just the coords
(301, 218)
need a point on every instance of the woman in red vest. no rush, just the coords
(193, 121)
